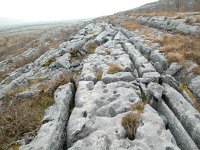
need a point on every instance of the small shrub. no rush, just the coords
(98, 75)
(130, 122)
(112, 69)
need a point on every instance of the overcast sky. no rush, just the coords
(44, 10)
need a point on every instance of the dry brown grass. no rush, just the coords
(148, 42)
(113, 68)
(175, 57)
(152, 14)
(130, 25)
(131, 121)
(180, 48)
(98, 75)
(192, 20)
(52, 85)
(196, 70)
(146, 30)
(22, 117)
(139, 106)
(91, 47)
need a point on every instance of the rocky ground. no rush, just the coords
(110, 89)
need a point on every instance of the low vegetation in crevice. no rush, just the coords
(131, 121)
(184, 87)
(76, 55)
(114, 68)
(21, 117)
(180, 48)
(49, 61)
(91, 47)
(98, 75)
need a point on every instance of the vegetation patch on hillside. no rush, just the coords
(179, 48)
(24, 116)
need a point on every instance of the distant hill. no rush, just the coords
(169, 5)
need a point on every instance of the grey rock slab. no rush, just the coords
(194, 86)
(131, 50)
(75, 64)
(100, 107)
(63, 61)
(153, 132)
(155, 89)
(150, 77)
(185, 112)
(139, 61)
(120, 36)
(173, 68)
(157, 57)
(120, 76)
(52, 133)
(146, 68)
(183, 139)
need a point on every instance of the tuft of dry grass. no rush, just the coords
(113, 68)
(98, 75)
(131, 121)
(139, 106)
(91, 47)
